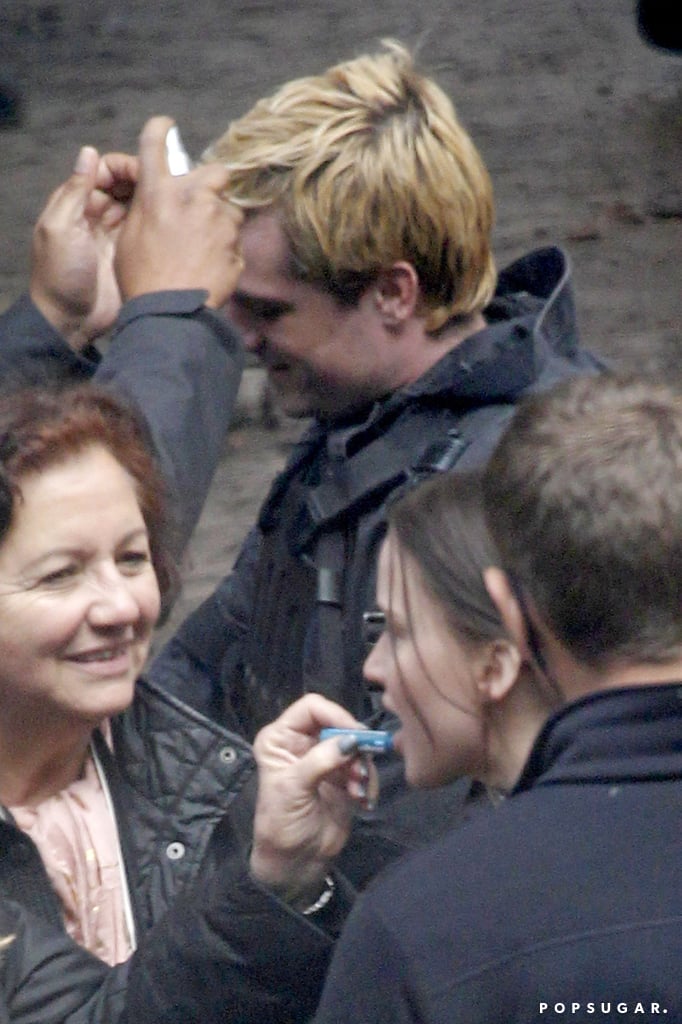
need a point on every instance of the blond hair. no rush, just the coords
(367, 164)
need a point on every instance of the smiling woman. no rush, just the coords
(81, 529)
(78, 602)
(109, 789)
(125, 815)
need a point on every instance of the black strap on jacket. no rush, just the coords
(381, 468)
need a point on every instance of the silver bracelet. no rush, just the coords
(322, 900)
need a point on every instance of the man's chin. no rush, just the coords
(329, 404)
(294, 411)
(295, 406)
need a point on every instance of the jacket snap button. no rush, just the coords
(228, 755)
(174, 851)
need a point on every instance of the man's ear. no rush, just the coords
(503, 597)
(396, 294)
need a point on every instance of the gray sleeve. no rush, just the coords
(180, 364)
(33, 352)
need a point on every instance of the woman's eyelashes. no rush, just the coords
(135, 561)
(129, 563)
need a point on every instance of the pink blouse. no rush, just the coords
(77, 838)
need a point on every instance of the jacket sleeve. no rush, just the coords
(48, 979)
(33, 352)
(199, 661)
(177, 361)
(180, 364)
(229, 952)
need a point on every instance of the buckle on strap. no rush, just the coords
(329, 588)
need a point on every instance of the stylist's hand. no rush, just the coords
(306, 794)
(179, 232)
(72, 275)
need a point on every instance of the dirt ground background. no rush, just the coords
(579, 121)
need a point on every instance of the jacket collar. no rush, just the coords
(623, 735)
(531, 333)
(530, 337)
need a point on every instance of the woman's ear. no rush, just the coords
(503, 597)
(498, 669)
(396, 294)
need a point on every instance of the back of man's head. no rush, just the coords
(584, 500)
(367, 165)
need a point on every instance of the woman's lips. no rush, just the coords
(110, 660)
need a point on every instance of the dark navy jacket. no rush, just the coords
(563, 905)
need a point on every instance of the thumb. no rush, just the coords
(324, 759)
(71, 198)
(86, 165)
(153, 163)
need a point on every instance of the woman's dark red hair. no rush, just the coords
(41, 427)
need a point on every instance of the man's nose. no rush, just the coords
(252, 339)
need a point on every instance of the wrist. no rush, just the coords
(300, 885)
(68, 325)
(322, 901)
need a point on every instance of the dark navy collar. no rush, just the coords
(628, 734)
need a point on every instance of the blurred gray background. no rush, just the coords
(578, 119)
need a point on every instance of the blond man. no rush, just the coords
(369, 294)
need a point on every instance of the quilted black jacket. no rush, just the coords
(213, 946)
